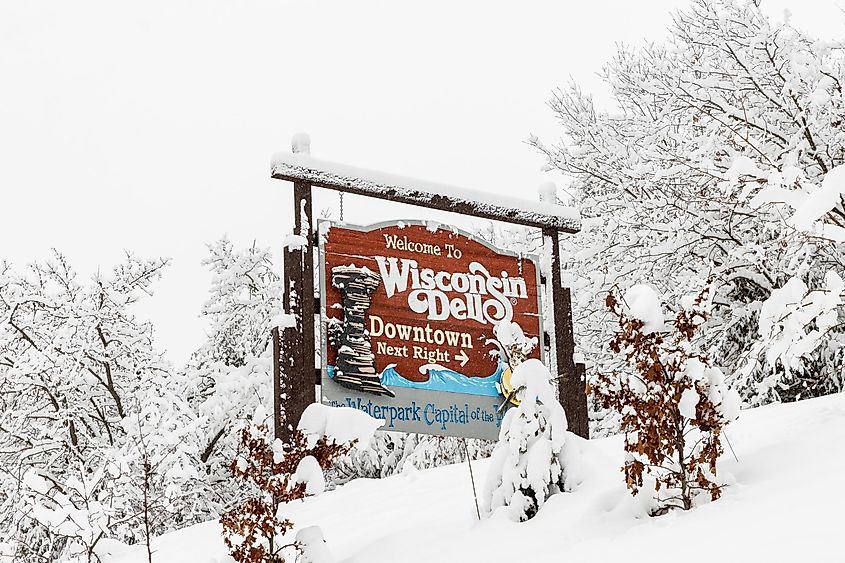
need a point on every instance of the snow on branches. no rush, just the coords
(233, 368)
(98, 440)
(794, 322)
(245, 300)
(72, 358)
(673, 403)
(721, 157)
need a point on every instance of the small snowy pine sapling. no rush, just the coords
(529, 462)
(674, 405)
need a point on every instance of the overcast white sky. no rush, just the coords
(149, 126)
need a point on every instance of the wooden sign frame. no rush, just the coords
(295, 348)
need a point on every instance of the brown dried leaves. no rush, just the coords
(253, 529)
(658, 437)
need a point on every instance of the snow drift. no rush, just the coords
(783, 505)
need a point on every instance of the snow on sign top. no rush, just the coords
(302, 167)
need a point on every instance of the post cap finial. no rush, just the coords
(300, 143)
(548, 192)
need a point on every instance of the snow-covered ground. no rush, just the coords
(786, 504)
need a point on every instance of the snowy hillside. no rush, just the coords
(785, 505)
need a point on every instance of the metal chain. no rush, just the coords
(340, 195)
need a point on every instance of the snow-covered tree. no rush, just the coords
(531, 460)
(233, 369)
(72, 515)
(99, 439)
(275, 473)
(712, 164)
(161, 483)
(399, 452)
(72, 355)
(674, 405)
(245, 295)
(795, 327)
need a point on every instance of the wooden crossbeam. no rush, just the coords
(475, 203)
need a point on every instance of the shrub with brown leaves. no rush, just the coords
(277, 473)
(674, 406)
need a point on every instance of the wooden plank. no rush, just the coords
(308, 288)
(571, 388)
(278, 418)
(302, 168)
(580, 414)
(291, 342)
(298, 349)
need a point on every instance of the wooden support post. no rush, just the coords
(298, 299)
(305, 227)
(580, 412)
(278, 430)
(318, 370)
(571, 387)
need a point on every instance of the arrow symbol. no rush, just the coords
(462, 356)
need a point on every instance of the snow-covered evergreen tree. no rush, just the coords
(530, 462)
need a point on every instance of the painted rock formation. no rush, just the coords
(356, 366)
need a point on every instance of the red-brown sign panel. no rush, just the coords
(410, 312)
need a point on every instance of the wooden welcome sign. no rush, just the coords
(409, 316)
(408, 311)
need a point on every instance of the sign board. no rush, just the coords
(409, 311)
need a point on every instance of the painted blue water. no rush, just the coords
(444, 380)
